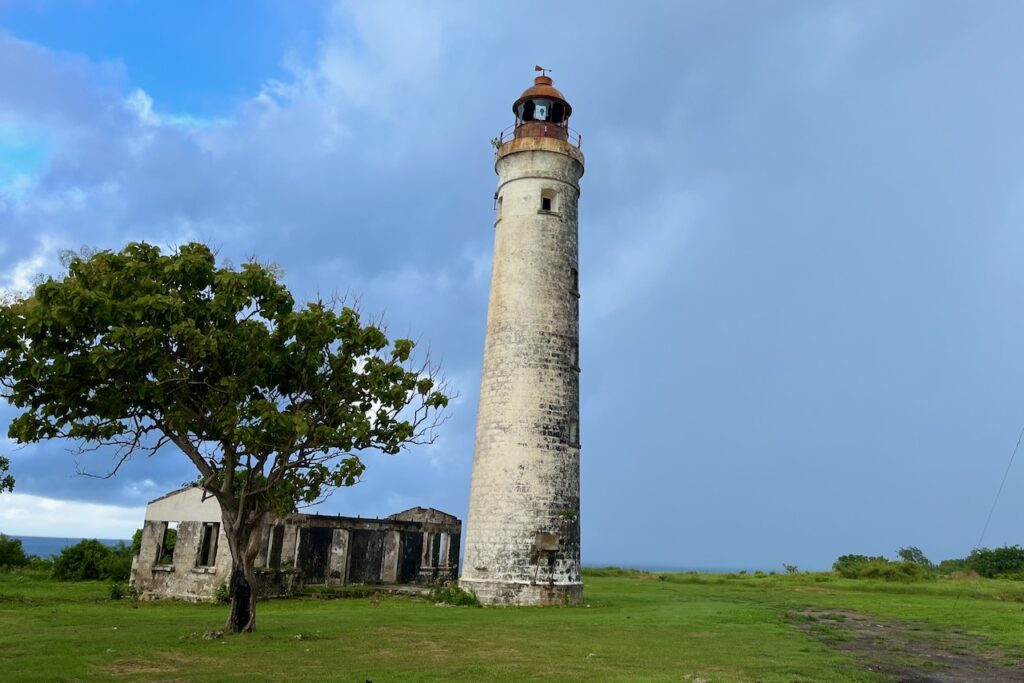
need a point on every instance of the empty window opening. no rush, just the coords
(547, 200)
(168, 539)
(208, 545)
(499, 207)
(276, 541)
(574, 432)
(575, 281)
(427, 559)
(442, 559)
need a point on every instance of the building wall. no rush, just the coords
(296, 550)
(522, 542)
(182, 578)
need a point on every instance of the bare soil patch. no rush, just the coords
(910, 652)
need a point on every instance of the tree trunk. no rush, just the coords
(243, 541)
(243, 603)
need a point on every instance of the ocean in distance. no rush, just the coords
(44, 546)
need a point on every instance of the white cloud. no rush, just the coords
(25, 515)
(141, 104)
(20, 276)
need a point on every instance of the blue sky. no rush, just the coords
(800, 228)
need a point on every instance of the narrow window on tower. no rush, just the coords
(547, 200)
(574, 433)
(499, 208)
(575, 282)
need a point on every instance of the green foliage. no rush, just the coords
(40, 564)
(90, 560)
(881, 568)
(167, 549)
(850, 566)
(6, 480)
(865, 567)
(995, 561)
(950, 566)
(271, 402)
(791, 568)
(12, 554)
(118, 589)
(222, 594)
(915, 555)
(451, 594)
(136, 542)
(171, 348)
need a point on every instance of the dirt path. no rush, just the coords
(911, 653)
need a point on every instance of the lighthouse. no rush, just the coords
(523, 528)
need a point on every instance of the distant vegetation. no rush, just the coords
(1006, 562)
(92, 560)
(89, 560)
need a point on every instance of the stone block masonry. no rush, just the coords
(523, 528)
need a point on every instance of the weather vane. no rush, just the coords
(542, 70)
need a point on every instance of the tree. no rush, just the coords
(6, 480)
(991, 562)
(12, 554)
(915, 555)
(272, 403)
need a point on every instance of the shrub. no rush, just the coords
(992, 562)
(118, 590)
(791, 568)
(12, 554)
(451, 594)
(222, 594)
(881, 568)
(136, 542)
(957, 566)
(92, 560)
(850, 566)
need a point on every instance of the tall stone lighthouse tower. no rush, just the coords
(523, 530)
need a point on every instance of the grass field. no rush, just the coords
(635, 627)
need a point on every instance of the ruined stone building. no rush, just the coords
(523, 528)
(185, 555)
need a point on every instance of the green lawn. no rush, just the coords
(635, 627)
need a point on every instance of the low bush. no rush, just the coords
(12, 554)
(850, 566)
(118, 590)
(865, 567)
(894, 571)
(91, 560)
(451, 594)
(951, 567)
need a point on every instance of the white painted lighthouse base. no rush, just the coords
(524, 594)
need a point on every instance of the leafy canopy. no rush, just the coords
(270, 402)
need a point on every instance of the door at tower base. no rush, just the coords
(523, 527)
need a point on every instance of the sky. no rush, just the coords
(800, 241)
